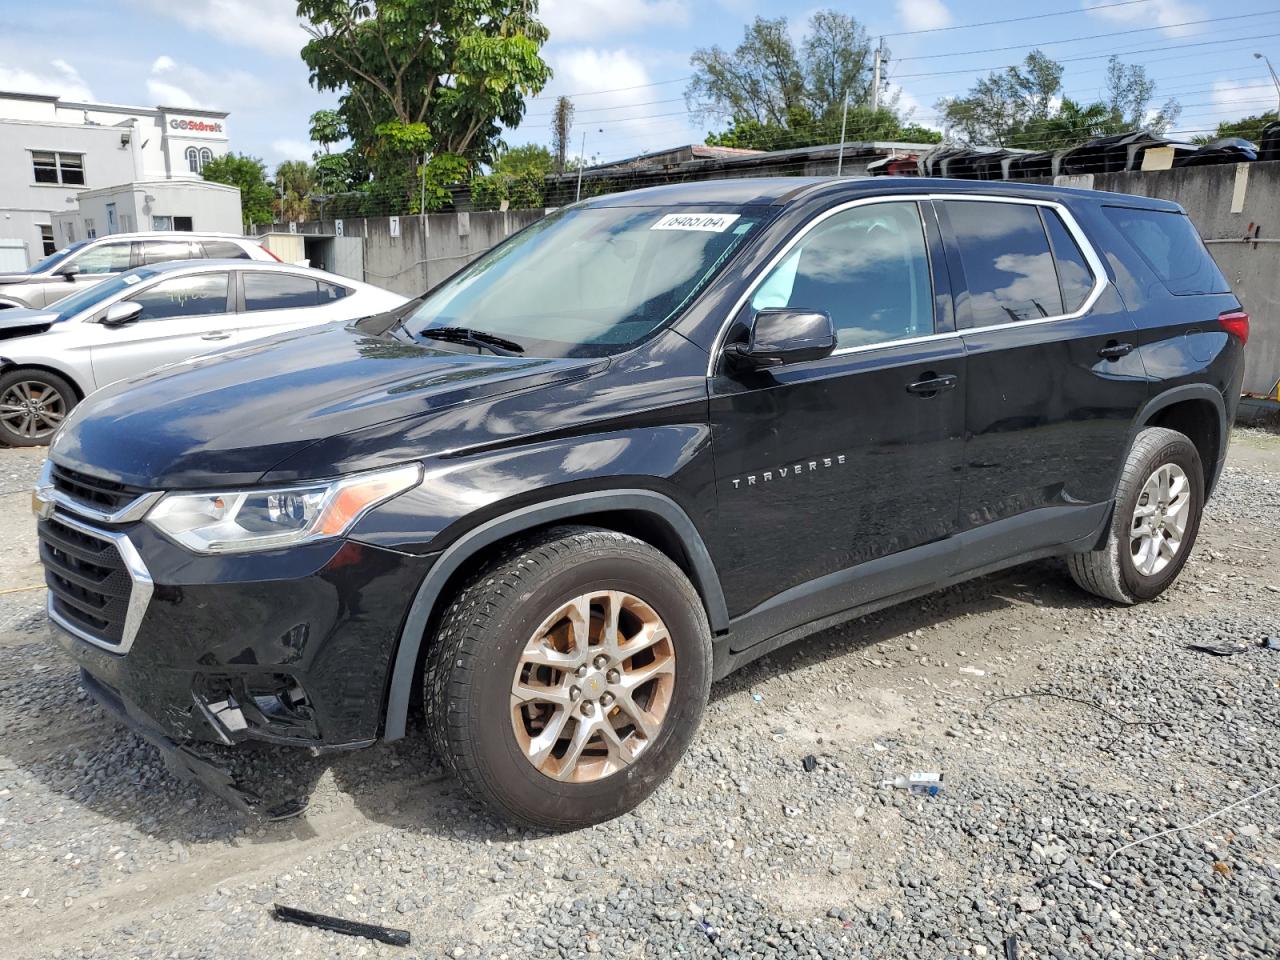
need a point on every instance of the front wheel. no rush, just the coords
(568, 676)
(33, 404)
(1154, 521)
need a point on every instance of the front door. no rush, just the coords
(1054, 381)
(829, 470)
(181, 317)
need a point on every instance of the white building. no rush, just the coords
(54, 151)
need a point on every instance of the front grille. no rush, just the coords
(89, 584)
(103, 495)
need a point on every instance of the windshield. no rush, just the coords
(89, 297)
(51, 261)
(588, 282)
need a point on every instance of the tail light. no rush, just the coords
(1236, 323)
(267, 251)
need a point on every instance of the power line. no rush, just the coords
(1036, 16)
(1091, 36)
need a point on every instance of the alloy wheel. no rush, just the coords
(593, 686)
(1160, 519)
(32, 409)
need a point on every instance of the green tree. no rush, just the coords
(838, 60)
(425, 86)
(519, 175)
(295, 182)
(761, 80)
(802, 130)
(250, 175)
(1024, 107)
(327, 128)
(561, 125)
(1250, 128)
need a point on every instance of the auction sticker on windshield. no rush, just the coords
(710, 222)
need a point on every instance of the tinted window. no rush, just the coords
(224, 250)
(330, 292)
(104, 258)
(866, 267)
(278, 291)
(194, 296)
(1074, 276)
(160, 251)
(1007, 264)
(1168, 242)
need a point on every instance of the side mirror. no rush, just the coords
(785, 336)
(121, 314)
(68, 272)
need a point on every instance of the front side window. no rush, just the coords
(104, 258)
(867, 267)
(50, 166)
(1008, 267)
(589, 282)
(195, 296)
(224, 250)
(278, 291)
(91, 297)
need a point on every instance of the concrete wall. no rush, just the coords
(427, 250)
(1227, 201)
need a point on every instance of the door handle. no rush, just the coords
(930, 384)
(1114, 350)
(216, 335)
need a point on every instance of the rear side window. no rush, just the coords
(162, 251)
(1074, 276)
(224, 250)
(1008, 266)
(1169, 244)
(329, 292)
(278, 291)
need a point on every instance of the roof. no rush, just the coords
(776, 191)
(169, 235)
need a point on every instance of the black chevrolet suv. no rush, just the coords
(639, 444)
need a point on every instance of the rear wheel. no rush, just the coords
(1154, 522)
(568, 676)
(33, 404)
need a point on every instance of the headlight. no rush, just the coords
(239, 521)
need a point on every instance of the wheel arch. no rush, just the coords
(645, 514)
(1199, 412)
(8, 366)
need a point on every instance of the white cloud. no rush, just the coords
(288, 149)
(163, 64)
(1235, 99)
(271, 26)
(570, 20)
(923, 14)
(63, 80)
(1157, 13)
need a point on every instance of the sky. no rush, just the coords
(626, 62)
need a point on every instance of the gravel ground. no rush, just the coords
(745, 853)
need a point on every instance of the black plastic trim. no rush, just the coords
(413, 634)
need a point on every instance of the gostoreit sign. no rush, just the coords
(184, 125)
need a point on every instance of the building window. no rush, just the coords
(162, 223)
(196, 159)
(126, 223)
(90, 231)
(46, 239)
(64, 168)
(183, 223)
(71, 233)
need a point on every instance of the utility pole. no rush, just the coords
(844, 118)
(1274, 78)
(875, 76)
(582, 162)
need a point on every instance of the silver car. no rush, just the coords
(145, 318)
(91, 261)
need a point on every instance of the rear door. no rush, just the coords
(164, 251)
(1053, 377)
(830, 470)
(182, 316)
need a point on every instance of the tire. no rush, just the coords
(33, 426)
(1117, 571)
(480, 652)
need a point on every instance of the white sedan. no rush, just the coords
(133, 323)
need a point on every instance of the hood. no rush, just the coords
(230, 417)
(16, 322)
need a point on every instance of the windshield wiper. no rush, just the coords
(499, 345)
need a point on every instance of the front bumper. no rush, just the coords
(292, 646)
